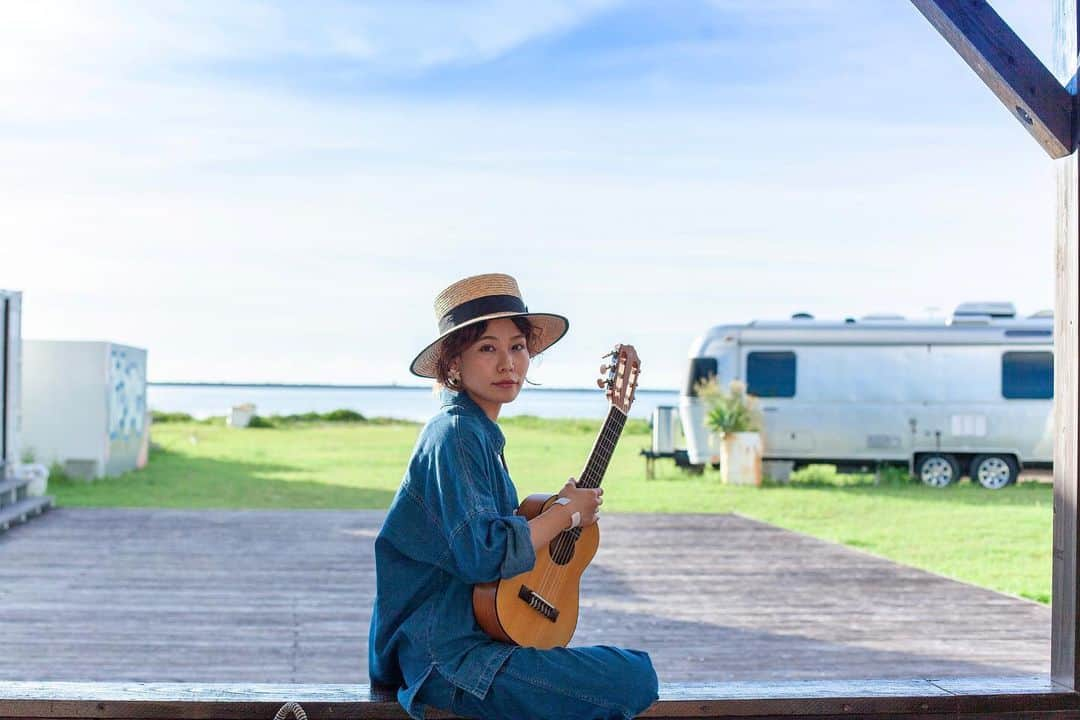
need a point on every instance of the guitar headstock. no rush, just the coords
(620, 376)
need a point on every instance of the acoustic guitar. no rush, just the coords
(539, 608)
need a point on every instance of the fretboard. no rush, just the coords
(602, 450)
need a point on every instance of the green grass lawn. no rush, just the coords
(997, 539)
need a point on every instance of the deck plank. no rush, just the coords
(285, 597)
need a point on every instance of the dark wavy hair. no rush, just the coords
(454, 343)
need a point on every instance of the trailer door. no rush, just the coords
(960, 399)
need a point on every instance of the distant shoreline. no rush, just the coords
(332, 386)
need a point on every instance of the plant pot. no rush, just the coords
(740, 458)
(240, 415)
(37, 474)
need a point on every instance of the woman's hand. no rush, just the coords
(585, 501)
(559, 516)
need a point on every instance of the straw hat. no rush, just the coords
(480, 298)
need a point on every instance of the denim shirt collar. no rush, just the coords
(460, 402)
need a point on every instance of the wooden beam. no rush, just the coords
(1004, 698)
(1064, 637)
(1012, 72)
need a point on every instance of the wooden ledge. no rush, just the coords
(996, 697)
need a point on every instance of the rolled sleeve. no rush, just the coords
(485, 542)
(487, 548)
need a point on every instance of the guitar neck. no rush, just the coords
(603, 449)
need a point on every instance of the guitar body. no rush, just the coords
(501, 608)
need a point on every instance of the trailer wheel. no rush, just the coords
(994, 472)
(937, 469)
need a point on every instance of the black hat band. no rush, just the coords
(487, 305)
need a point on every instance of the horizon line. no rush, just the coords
(343, 386)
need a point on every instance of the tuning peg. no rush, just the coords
(604, 369)
(601, 382)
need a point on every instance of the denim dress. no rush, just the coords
(450, 526)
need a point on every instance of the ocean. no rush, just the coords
(407, 403)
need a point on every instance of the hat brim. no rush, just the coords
(550, 329)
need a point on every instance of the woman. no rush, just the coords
(452, 525)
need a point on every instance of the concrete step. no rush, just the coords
(9, 490)
(23, 510)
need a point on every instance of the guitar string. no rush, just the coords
(565, 541)
(552, 582)
(555, 571)
(562, 542)
(590, 477)
(594, 471)
(609, 436)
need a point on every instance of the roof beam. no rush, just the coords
(1011, 71)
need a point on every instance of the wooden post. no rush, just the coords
(1065, 640)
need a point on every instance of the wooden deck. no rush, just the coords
(284, 597)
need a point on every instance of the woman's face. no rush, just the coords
(494, 367)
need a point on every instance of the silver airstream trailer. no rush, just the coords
(970, 396)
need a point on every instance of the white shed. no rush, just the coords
(84, 406)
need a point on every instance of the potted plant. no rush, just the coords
(734, 416)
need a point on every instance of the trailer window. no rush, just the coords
(700, 369)
(1027, 375)
(770, 374)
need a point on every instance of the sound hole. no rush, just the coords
(561, 548)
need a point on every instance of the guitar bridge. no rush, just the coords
(538, 603)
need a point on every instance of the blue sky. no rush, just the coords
(276, 191)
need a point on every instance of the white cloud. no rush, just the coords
(59, 55)
(241, 233)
